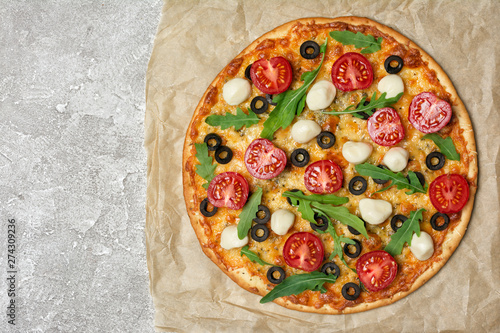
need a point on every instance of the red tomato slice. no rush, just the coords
(376, 270)
(272, 76)
(449, 193)
(303, 250)
(263, 160)
(352, 71)
(429, 114)
(228, 189)
(385, 127)
(323, 177)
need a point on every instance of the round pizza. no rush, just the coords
(330, 167)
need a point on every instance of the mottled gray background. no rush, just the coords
(72, 163)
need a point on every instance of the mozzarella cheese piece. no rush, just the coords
(321, 95)
(396, 159)
(356, 152)
(229, 238)
(391, 84)
(236, 91)
(422, 247)
(304, 131)
(281, 221)
(375, 211)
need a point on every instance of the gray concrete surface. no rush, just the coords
(72, 164)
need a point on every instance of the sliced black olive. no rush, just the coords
(288, 199)
(331, 268)
(270, 274)
(420, 176)
(431, 159)
(269, 99)
(204, 206)
(348, 294)
(393, 70)
(434, 221)
(247, 72)
(354, 231)
(381, 181)
(363, 113)
(267, 215)
(358, 185)
(348, 247)
(309, 49)
(258, 110)
(213, 141)
(300, 157)
(325, 139)
(223, 155)
(322, 223)
(261, 229)
(397, 221)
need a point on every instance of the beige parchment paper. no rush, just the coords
(195, 40)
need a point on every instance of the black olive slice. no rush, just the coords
(322, 223)
(288, 199)
(420, 176)
(393, 70)
(261, 229)
(358, 185)
(381, 181)
(204, 206)
(363, 113)
(213, 141)
(434, 221)
(354, 231)
(267, 215)
(348, 294)
(270, 274)
(309, 49)
(397, 221)
(300, 157)
(325, 139)
(223, 155)
(247, 72)
(431, 159)
(269, 99)
(348, 247)
(258, 110)
(331, 268)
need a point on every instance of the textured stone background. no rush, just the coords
(72, 163)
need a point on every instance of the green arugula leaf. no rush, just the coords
(342, 215)
(337, 246)
(290, 103)
(446, 146)
(295, 284)
(238, 120)
(321, 198)
(405, 233)
(248, 213)
(206, 168)
(398, 179)
(368, 42)
(253, 256)
(375, 103)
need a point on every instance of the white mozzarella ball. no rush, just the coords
(375, 211)
(304, 131)
(236, 91)
(229, 238)
(321, 95)
(396, 159)
(281, 221)
(356, 152)
(391, 84)
(422, 247)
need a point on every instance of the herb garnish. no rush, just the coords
(253, 256)
(375, 103)
(206, 168)
(446, 146)
(398, 179)
(405, 233)
(238, 120)
(359, 40)
(290, 103)
(248, 213)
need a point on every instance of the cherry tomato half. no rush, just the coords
(323, 177)
(449, 193)
(228, 189)
(263, 160)
(429, 114)
(385, 127)
(376, 270)
(352, 71)
(303, 250)
(272, 76)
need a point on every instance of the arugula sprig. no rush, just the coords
(398, 179)
(405, 233)
(253, 256)
(248, 213)
(238, 120)
(375, 103)
(206, 168)
(368, 42)
(446, 146)
(290, 103)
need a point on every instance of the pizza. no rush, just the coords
(330, 167)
